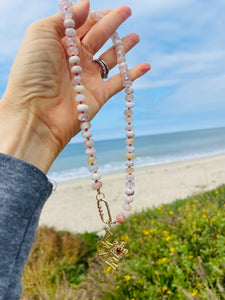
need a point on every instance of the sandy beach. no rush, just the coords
(72, 206)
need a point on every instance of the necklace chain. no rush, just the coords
(111, 252)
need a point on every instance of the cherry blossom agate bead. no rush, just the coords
(97, 185)
(120, 218)
(69, 23)
(70, 32)
(74, 60)
(89, 143)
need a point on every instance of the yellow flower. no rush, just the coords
(217, 236)
(159, 208)
(164, 288)
(168, 238)
(117, 287)
(164, 259)
(194, 293)
(194, 206)
(125, 238)
(172, 249)
(187, 202)
(156, 273)
(152, 230)
(190, 256)
(212, 220)
(127, 277)
(146, 232)
(108, 270)
(187, 207)
(153, 222)
(171, 212)
(165, 232)
(169, 292)
(216, 192)
(204, 216)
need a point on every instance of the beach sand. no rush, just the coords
(73, 207)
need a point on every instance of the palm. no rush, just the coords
(40, 81)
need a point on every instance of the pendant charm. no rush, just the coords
(111, 253)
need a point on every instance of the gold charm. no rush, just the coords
(112, 253)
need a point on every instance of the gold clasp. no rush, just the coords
(101, 211)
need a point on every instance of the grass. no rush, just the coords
(176, 251)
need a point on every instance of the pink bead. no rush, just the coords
(128, 199)
(76, 80)
(120, 218)
(82, 107)
(130, 184)
(129, 120)
(83, 117)
(70, 32)
(126, 76)
(67, 14)
(129, 177)
(128, 112)
(129, 90)
(71, 41)
(129, 104)
(127, 84)
(74, 60)
(63, 4)
(97, 185)
(76, 69)
(130, 149)
(93, 168)
(129, 97)
(130, 134)
(72, 51)
(85, 125)
(90, 151)
(69, 23)
(86, 134)
(127, 207)
(129, 191)
(129, 163)
(129, 127)
(80, 97)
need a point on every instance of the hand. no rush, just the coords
(38, 112)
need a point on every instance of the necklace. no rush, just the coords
(111, 253)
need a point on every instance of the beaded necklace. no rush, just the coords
(111, 253)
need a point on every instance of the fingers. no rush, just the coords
(82, 31)
(115, 83)
(110, 56)
(103, 30)
(80, 13)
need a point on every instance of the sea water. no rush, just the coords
(150, 150)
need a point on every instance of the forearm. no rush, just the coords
(23, 191)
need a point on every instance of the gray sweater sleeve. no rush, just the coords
(23, 192)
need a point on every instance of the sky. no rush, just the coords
(184, 42)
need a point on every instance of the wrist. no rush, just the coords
(25, 137)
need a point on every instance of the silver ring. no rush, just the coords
(105, 69)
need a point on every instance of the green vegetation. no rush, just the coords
(177, 251)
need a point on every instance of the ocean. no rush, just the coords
(150, 150)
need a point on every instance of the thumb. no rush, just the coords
(80, 12)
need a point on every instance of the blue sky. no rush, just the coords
(183, 40)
